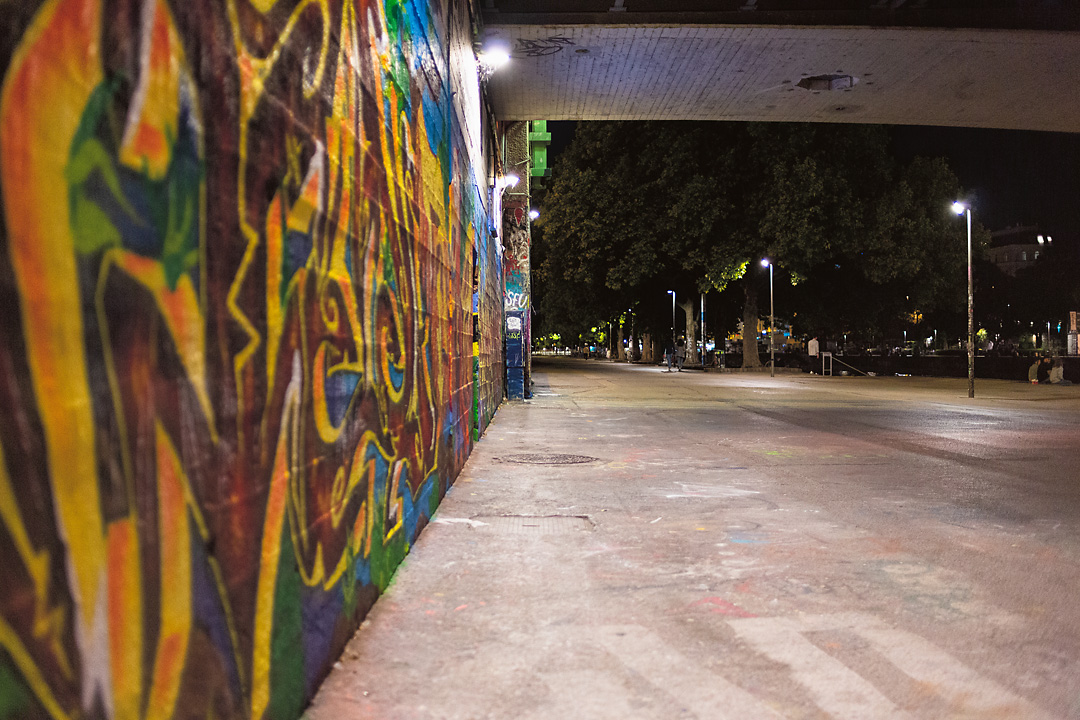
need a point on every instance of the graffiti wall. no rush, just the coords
(517, 242)
(518, 311)
(488, 355)
(250, 308)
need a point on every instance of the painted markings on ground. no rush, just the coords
(842, 693)
(959, 685)
(691, 490)
(459, 521)
(835, 688)
(706, 694)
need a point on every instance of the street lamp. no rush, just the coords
(961, 209)
(672, 294)
(772, 320)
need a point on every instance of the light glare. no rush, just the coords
(959, 208)
(494, 58)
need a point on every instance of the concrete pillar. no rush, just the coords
(517, 239)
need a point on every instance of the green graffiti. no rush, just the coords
(16, 702)
(287, 646)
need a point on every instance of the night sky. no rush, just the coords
(1012, 176)
(1015, 176)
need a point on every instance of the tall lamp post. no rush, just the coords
(964, 209)
(672, 294)
(772, 320)
(702, 332)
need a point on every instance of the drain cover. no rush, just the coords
(534, 524)
(548, 459)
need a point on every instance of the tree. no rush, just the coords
(908, 259)
(640, 208)
(611, 225)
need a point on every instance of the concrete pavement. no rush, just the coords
(740, 546)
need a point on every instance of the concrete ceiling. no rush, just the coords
(962, 77)
(999, 14)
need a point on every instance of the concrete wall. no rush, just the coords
(250, 321)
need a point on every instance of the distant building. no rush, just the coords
(1018, 247)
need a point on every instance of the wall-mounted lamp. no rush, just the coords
(493, 55)
(501, 182)
(533, 214)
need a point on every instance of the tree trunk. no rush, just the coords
(750, 327)
(647, 348)
(691, 332)
(620, 351)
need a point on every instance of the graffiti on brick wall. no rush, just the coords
(516, 301)
(489, 348)
(516, 258)
(235, 329)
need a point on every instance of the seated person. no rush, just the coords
(1044, 371)
(1057, 373)
(1033, 371)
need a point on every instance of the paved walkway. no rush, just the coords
(741, 547)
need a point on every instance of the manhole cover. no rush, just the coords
(533, 524)
(548, 459)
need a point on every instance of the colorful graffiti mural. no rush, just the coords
(243, 270)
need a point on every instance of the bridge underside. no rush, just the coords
(983, 78)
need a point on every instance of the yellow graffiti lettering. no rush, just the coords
(48, 621)
(57, 59)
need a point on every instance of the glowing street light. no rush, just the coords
(772, 320)
(961, 209)
(533, 214)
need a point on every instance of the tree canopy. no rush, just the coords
(639, 208)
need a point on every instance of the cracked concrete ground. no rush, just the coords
(741, 547)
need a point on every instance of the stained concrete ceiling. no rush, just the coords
(963, 77)
(999, 14)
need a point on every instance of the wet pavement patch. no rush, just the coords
(547, 459)
(534, 524)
